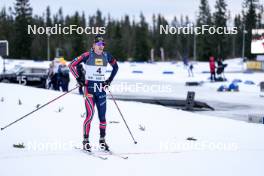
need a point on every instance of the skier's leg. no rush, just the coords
(89, 106)
(101, 106)
(63, 85)
(81, 90)
(214, 76)
(67, 86)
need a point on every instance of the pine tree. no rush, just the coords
(174, 40)
(48, 17)
(23, 18)
(204, 42)
(39, 42)
(3, 23)
(142, 45)
(204, 16)
(77, 39)
(238, 37)
(99, 20)
(7, 28)
(220, 20)
(116, 46)
(158, 41)
(127, 37)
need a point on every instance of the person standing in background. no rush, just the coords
(64, 76)
(212, 68)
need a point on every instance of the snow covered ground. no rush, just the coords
(223, 146)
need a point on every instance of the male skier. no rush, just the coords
(95, 63)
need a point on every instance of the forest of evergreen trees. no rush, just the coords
(128, 39)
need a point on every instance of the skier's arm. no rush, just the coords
(113, 63)
(73, 65)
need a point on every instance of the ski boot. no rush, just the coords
(86, 146)
(103, 145)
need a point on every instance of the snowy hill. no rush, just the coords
(223, 146)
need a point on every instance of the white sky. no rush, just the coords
(117, 8)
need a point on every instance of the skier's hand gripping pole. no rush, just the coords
(38, 108)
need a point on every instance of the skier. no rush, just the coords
(185, 61)
(212, 68)
(95, 63)
(190, 70)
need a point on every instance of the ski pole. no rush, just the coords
(38, 108)
(122, 116)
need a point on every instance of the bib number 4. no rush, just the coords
(99, 70)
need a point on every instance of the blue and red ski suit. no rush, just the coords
(95, 68)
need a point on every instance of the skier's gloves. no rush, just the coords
(106, 83)
(80, 81)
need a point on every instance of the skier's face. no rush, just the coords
(98, 47)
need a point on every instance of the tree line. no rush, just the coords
(128, 39)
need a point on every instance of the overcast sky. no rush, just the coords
(117, 8)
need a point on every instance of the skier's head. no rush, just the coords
(98, 44)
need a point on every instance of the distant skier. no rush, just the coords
(190, 70)
(185, 61)
(212, 68)
(95, 63)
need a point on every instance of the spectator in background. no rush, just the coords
(220, 69)
(64, 76)
(212, 67)
(54, 79)
(50, 75)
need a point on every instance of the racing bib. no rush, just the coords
(95, 68)
(95, 73)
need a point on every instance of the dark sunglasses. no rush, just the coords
(100, 44)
